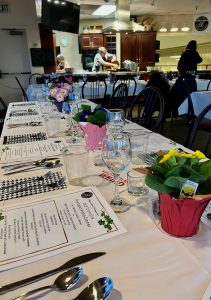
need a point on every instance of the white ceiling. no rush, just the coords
(146, 7)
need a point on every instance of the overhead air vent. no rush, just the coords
(4, 8)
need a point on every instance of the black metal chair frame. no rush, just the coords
(33, 78)
(3, 112)
(127, 79)
(94, 84)
(119, 98)
(208, 85)
(146, 101)
(22, 89)
(198, 121)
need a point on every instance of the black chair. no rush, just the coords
(3, 111)
(208, 86)
(94, 88)
(148, 108)
(36, 78)
(129, 80)
(22, 89)
(201, 123)
(119, 98)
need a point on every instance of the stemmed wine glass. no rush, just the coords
(117, 155)
(115, 118)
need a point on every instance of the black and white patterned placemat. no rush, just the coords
(20, 187)
(24, 138)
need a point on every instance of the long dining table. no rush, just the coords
(144, 262)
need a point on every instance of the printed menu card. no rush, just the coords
(40, 229)
(21, 151)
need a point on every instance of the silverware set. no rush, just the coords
(25, 124)
(19, 168)
(97, 290)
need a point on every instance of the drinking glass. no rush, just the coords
(115, 119)
(117, 155)
(69, 109)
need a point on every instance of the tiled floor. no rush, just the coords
(178, 132)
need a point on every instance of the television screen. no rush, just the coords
(42, 57)
(61, 15)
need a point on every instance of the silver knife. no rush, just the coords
(69, 264)
(27, 162)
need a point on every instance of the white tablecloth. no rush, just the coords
(200, 100)
(37, 91)
(144, 263)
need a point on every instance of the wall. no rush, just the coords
(71, 51)
(21, 15)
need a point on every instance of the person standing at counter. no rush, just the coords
(61, 64)
(104, 59)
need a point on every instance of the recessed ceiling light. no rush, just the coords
(104, 10)
(185, 28)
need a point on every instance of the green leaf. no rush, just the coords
(158, 170)
(204, 188)
(92, 119)
(86, 107)
(205, 168)
(175, 182)
(157, 183)
(186, 172)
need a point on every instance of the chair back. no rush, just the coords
(94, 88)
(129, 80)
(3, 111)
(208, 85)
(190, 116)
(201, 123)
(119, 98)
(36, 78)
(148, 108)
(22, 89)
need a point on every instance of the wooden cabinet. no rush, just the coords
(91, 41)
(139, 47)
(110, 43)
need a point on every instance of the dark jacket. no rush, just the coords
(188, 61)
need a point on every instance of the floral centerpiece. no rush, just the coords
(93, 124)
(183, 181)
(59, 92)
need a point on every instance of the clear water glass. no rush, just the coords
(115, 118)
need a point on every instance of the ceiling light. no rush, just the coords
(104, 10)
(185, 28)
(163, 29)
(56, 2)
(174, 28)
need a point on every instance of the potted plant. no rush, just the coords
(93, 124)
(59, 92)
(183, 181)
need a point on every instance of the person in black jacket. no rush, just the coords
(187, 65)
(186, 82)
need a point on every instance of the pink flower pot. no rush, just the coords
(93, 134)
(181, 217)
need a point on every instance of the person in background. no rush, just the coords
(104, 59)
(187, 65)
(61, 64)
(186, 82)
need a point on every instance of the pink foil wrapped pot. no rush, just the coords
(93, 134)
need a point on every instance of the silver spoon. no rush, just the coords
(47, 165)
(97, 290)
(64, 281)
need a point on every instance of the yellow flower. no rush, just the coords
(172, 152)
(199, 155)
